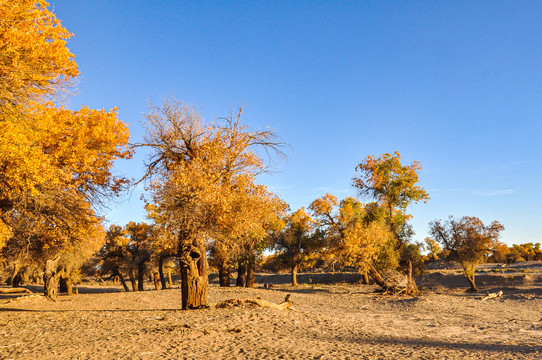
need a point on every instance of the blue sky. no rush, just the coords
(454, 85)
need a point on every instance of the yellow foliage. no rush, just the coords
(34, 59)
(53, 161)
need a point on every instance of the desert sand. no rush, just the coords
(334, 317)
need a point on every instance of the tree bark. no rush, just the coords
(140, 276)
(294, 274)
(375, 275)
(14, 273)
(50, 279)
(251, 273)
(169, 281)
(65, 283)
(156, 281)
(366, 278)
(161, 272)
(194, 273)
(224, 275)
(122, 281)
(412, 287)
(473, 287)
(241, 274)
(17, 280)
(132, 279)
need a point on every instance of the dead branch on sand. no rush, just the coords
(492, 295)
(286, 304)
(20, 298)
(15, 290)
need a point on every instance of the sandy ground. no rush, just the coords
(330, 321)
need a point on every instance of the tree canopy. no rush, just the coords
(55, 163)
(393, 186)
(468, 240)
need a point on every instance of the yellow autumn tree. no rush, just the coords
(393, 186)
(296, 241)
(55, 163)
(34, 59)
(355, 236)
(246, 236)
(468, 241)
(200, 174)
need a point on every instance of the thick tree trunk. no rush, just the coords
(473, 287)
(14, 272)
(251, 273)
(161, 272)
(241, 274)
(17, 280)
(294, 274)
(194, 273)
(50, 279)
(65, 283)
(224, 275)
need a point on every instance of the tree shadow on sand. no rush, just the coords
(88, 310)
(416, 344)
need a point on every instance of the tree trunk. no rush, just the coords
(140, 276)
(241, 274)
(294, 274)
(366, 278)
(17, 280)
(224, 275)
(251, 273)
(412, 287)
(50, 279)
(161, 272)
(65, 283)
(194, 273)
(473, 287)
(169, 281)
(156, 281)
(14, 273)
(375, 275)
(132, 279)
(121, 278)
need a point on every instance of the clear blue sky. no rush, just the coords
(456, 85)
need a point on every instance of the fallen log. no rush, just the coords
(492, 295)
(20, 298)
(14, 290)
(286, 304)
